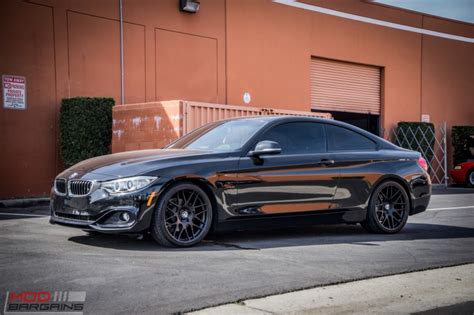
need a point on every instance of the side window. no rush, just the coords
(342, 139)
(298, 137)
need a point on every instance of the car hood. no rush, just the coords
(129, 163)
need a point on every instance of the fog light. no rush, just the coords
(124, 216)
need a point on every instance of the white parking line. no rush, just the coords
(450, 208)
(23, 214)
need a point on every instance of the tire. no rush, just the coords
(182, 217)
(470, 178)
(388, 209)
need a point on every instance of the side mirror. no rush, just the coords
(266, 148)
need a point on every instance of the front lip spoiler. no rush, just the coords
(54, 219)
(89, 225)
(69, 222)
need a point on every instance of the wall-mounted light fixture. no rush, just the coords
(189, 6)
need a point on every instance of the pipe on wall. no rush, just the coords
(122, 87)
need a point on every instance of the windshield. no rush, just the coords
(221, 136)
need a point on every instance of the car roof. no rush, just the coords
(290, 118)
(270, 118)
(274, 119)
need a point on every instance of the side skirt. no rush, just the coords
(292, 220)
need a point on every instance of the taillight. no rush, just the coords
(422, 163)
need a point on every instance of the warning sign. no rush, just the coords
(14, 92)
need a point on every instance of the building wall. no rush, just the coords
(72, 48)
(422, 74)
(28, 137)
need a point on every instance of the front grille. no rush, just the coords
(79, 187)
(60, 186)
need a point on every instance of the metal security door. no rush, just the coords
(431, 143)
(345, 87)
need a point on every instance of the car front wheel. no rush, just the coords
(183, 216)
(388, 209)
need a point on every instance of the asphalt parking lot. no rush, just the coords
(125, 275)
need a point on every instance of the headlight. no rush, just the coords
(457, 167)
(127, 185)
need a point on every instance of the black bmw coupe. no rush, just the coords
(246, 172)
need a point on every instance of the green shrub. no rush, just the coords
(460, 136)
(85, 128)
(417, 136)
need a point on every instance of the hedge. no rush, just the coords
(424, 133)
(85, 128)
(460, 136)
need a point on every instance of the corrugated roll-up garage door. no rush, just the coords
(344, 87)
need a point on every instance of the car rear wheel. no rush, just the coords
(388, 209)
(470, 178)
(183, 216)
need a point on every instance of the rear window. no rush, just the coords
(342, 139)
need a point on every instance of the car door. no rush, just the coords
(357, 158)
(301, 178)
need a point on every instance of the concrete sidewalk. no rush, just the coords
(405, 293)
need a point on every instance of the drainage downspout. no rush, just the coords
(122, 88)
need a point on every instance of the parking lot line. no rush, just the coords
(23, 214)
(450, 208)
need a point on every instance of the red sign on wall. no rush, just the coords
(14, 92)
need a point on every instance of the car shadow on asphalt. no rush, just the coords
(279, 238)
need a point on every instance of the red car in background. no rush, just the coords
(464, 173)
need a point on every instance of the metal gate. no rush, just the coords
(432, 145)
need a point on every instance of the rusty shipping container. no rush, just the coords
(155, 124)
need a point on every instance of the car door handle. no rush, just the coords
(326, 162)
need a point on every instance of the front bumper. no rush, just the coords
(103, 212)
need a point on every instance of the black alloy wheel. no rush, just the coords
(388, 209)
(183, 216)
